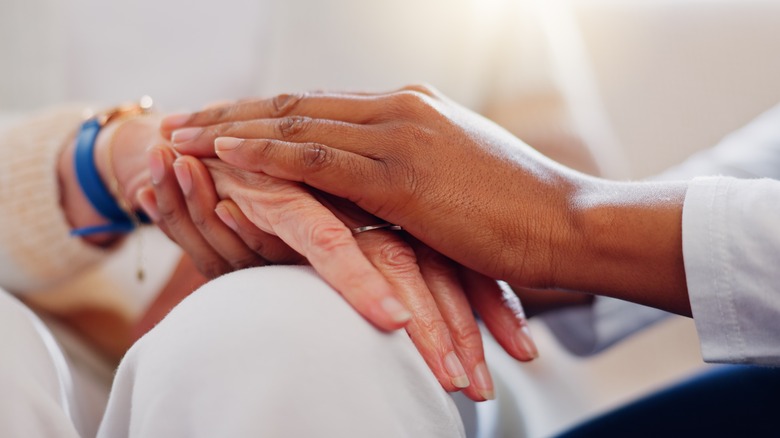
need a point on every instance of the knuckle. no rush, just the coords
(200, 221)
(261, 147)
(292, 126)
(415, 106)
(398, 255)
(436, 329)
(316, 155)
(426, 89)
(283, 104)
(329, 237)
(255, 154)
(468, 338)
(408, 100)
(170, 216)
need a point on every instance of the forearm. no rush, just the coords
(628, 244)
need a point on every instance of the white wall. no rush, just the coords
(676, 76)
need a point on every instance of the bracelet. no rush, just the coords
(89, 178)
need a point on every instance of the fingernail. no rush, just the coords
(396, 310)
(483, 382)
(224, 214)
(456, 371)
(227, 143)
(526, 342)
(186, 134)
(147, 204)
(156, 166)
(174, 121)
(184, 176)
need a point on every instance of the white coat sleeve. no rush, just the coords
(731, 248)
(750, 152)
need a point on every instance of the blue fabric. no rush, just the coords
(731, 401)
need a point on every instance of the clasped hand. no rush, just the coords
(229, 216)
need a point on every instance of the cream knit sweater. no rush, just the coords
(36, 250)
(38, 257)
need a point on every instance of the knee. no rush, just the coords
(264, 345)
(277, 320)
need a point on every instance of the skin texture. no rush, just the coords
(461, 185)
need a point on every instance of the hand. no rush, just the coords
(412, 158)
(442, 325)
(463, 186)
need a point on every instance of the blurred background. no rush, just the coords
(620, 88)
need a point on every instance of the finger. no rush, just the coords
(502, 313)
(201, 200)
(333, 252)
(199, 141)
(334, 171)
(174, 216)
(345, 107)
(145, 198)
(441, 276)
(292, 213)
(267, 245)
(166, 130)
(396, 260)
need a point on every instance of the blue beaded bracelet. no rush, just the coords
(93, 188)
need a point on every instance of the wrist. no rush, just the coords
(86, 172)
(124, 141)
(627, 243)
(78, 210)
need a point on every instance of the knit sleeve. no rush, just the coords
(36, 250)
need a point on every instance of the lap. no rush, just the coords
(280, 353)
(37, 392)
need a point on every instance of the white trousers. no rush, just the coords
(270, 352)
